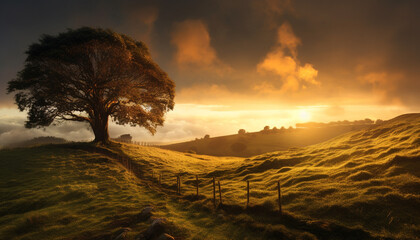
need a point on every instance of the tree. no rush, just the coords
(89, 75)
(241, 131)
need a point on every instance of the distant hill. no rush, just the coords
(38, 141)
(254, 143)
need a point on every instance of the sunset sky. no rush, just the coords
(239, 64)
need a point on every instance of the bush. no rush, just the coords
(241, 131)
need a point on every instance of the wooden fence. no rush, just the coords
(217, 186)
(158, 178)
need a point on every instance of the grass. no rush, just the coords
(364, 184)
(71, 192)
(368, 179)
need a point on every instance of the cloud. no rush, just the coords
(12, 129)
(273, 9)
(192, 41)
(384, 85)
(208, 94)
(140, 19)
(287, 39)
(292, 75)
(308, 73)
(334, 110)
(278, 63)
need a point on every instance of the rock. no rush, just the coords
(165, 236)
(121, 233)
(156, 229)
(145, 214)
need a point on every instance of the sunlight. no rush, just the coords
(304, 115)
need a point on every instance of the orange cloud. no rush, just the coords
(192, 41)
(287, 39)
(277, 63)
(308, 73)
(292, 75)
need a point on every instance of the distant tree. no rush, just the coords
(368, 121)
(241, 131)
(379, 121)
(266, 128)
(206, 136)
(87, 75)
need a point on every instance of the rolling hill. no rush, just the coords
(368, 179)
(255, 143)
(364, 184)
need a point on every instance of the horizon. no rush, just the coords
(240, 66)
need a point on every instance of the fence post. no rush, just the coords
(179, 179)
(196, 181)
(247, 193)
(214, 191)
(177, 184)
(278, 190)
(220, 193)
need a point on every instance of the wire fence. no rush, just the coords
(204, 185)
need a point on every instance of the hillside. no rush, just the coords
(255, 143)
(367, 179)
(73, 191)
(361, 185)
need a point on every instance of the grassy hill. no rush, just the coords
(78, 191)
(367, 179)
(255, 143)
(361, 185)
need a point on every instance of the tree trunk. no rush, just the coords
(100, 129)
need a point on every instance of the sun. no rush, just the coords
(304, 115)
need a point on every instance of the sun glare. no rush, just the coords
(304, 115)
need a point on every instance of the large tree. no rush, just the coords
(89, 74)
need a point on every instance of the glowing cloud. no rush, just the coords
(277, 63)
(308, 73)
(192, 41)
(293, 76)
(287, 39)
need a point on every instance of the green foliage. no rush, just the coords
(90, 74)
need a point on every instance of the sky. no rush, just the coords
(239, 64)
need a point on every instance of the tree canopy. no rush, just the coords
(89, 74)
